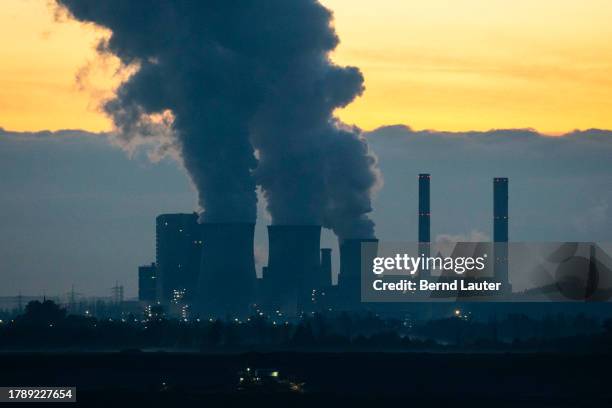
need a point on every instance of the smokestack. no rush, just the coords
(424, 219)
(227, 275)
(326, 267)
(294, 266)
(424, 208)
(500, 209)
(500, 229)
(352, 255)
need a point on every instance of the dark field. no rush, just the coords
(109, 379)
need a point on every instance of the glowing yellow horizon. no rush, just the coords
(435, 64)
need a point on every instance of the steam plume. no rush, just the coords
(231, 77)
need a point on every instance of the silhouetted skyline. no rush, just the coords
(116, 219)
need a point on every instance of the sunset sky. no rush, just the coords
(436, 64)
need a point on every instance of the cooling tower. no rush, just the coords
(294, 267)
(349, 279)
(227, 273)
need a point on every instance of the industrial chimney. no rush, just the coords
(424, 220)
(294, 267)
(500, 230)
(424, 208)
(227, 273)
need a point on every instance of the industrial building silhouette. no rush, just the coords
(208, 269)
(424, 238)
(500, 229)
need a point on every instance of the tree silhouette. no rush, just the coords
(46, 313)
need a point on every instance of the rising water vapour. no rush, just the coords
(233, 78)
(313, 169)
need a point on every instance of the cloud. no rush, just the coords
(593, 217)
(560, 187)
(246, 97)
(62, 134)
(74, 184)
(75, 210)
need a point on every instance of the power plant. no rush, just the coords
(227, 271)
(208, 269)
(294, 267)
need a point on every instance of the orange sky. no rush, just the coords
(442, 64)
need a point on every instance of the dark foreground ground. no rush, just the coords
(330, 379)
